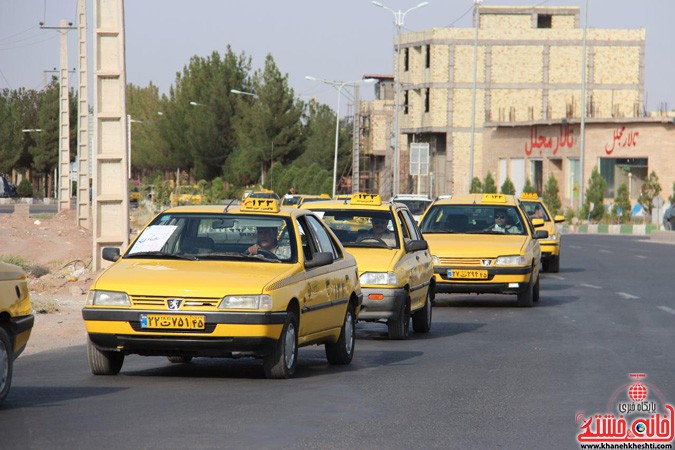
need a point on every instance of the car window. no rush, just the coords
(355, 228)
(324, 240)
(531, 209)
(415, 232)
(405, 228)
(474, 219)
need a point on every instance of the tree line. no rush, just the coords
(200, 128)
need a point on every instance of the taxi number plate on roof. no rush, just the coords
(468, 274)
(172, 322)
(494, 198)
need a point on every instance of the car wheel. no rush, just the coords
(179, 359)
(546, 266)
(526, 298)
(6, 364)
(667, 225)
(554, 265)
(342, 351)
(535, 291)
(399, 328)
(421, 319)
(102, 362)
(282, 361)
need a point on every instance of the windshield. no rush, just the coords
(417, 207)
(205, 236)
(473, 219)
(362, 228)
(290, 200)
(535, 210)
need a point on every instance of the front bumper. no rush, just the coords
(21, 328)
(500, 280)
(224, 333)
(388, 308)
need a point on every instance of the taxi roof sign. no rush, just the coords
(529, 196)
(366, 199)
(494, 198)
(260, 205)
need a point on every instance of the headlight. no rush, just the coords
(383, 278)
(511, 261)
(552, 237)
(263, 302)
(435, 260)
(108, 298)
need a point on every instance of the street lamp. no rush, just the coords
(31, 130)
(582, 130)
(476, 12)
(235, 91)
(338, 85)
(399, 17)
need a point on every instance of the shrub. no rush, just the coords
(595, 194)
(25, 189)
(529, 188)
(508, 187)
(649, 191)
(477, 186)
(489, 187)
(622, 207)
(551, 195)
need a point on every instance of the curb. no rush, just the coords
(594, 228)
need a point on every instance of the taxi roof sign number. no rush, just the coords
(366, 199)
(529, 196)
(494, 198)
(260, 205)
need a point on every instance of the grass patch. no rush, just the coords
(44, 306)
(43, 216)
(33, 269)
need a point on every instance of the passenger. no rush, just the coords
(266, 241)
(538, 212)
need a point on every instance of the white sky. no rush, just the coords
(337, 40)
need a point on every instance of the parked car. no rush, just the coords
(669, 218)
(7, 189)
(246, 281)
(16, 321)
(417, 204)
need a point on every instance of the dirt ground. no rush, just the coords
(53, 242)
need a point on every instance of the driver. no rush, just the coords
(267, 241)
(502, 224)
(380, 231)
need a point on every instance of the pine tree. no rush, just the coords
(671, 199)
(489, 187)
(477, 186)
(508, 187)
(529, 188)
(622, 206)
(551, 195)
(649, 191)
(595, 193)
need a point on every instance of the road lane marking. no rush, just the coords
(574, 246)
(604, 251)
(556, 277)
(627, 296)
(666, 309)
(640, 256)
(590, 286)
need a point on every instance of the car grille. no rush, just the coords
(464, 262)
(188, 303)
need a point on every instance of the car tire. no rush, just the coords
(399, 328)
(535, 291)
(179, 359)
(281, 363)
(667, 225)
(554, 264)
(6, 364)
(103, 362)
(421, 319)
(526, 298)
(342, 351)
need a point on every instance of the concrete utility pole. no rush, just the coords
(83, 216)
(582, 131)
(110, 183)
(356, 142)
(476, 19)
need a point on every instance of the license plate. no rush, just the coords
(468, 274)
(172, 322)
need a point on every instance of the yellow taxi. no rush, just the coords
(395, 266)
(212, 281)
(550, 247)
(263, 193)
(16, 321)
(186, 195)
(484, 243)
(298, 199)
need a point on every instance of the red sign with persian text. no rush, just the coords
(564, 139)
(622, 138)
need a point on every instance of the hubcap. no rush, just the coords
(349, 333)
(289, 346)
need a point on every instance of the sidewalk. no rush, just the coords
(655, 232)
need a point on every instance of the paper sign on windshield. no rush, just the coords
(153, 238)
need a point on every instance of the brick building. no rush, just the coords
(527, 83)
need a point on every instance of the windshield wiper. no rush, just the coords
(161, 255)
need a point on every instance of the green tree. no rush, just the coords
(595, 193)
(508, 187)
(489, 186)
(476, 186)
(671, 199)
(648, 192)
(622, 207)
(25, 189)
(551, 195)
(529, 188)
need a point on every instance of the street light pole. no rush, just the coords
(129, 122)
(338, 85)
(476, 10)
(399, 17)
(582, 130)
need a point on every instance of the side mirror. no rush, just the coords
(111, 253)
(559, 218)
(540, 234)
(537, 223)
(416, 245)
(319, 260)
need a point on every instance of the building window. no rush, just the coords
(428, 57)
(629, 171)
(544, 21)
(405, 102)
(426, 100)
(406, 59)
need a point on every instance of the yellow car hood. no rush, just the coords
(373, 259)
(475, 245)
(191, 278)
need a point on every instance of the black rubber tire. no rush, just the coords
(526, 298)
(179, 359)
(421, 319)
(6, 364)
(535, 291)
(554, 264)
(102, 362)
(342, 351)
(278, 364)
(399, 328)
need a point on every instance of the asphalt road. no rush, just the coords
(489, 375)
